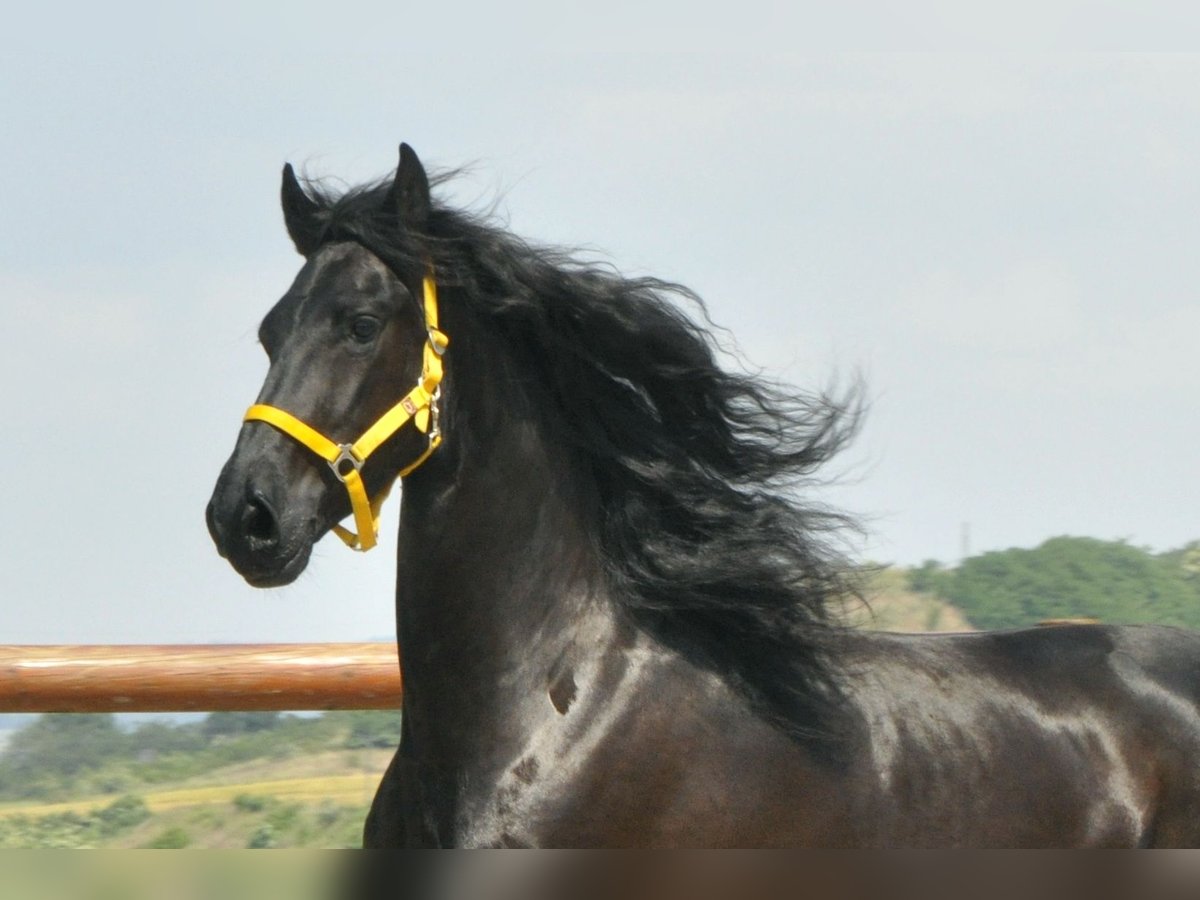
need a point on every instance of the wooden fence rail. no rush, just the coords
(198, 677)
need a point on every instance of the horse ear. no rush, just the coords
(300, 214)
(409, 193)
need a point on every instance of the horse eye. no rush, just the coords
(364, 329)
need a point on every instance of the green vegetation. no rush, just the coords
(1067, 578)
(62, 756)
(266, 780)
(374, 728)
(250, 802)
(173, 838)
(72, 829)
(206, 820)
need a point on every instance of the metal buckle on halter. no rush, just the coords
(345, 456)
(435, 414)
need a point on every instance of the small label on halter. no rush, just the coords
(409, 406)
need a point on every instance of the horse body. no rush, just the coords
(1084, 747)
(1059, 736)
(584, 731)
(617, 636)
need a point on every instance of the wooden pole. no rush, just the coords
(198, 677)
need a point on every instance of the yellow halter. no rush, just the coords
(346, 460)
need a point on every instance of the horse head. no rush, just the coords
(345, 343)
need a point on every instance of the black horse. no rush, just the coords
(617, 620)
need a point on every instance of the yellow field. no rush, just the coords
(350, 790)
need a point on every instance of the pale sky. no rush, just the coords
(1004, 247)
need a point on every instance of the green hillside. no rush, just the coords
(1067, 578)
(234, 780)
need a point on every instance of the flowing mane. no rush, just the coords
(698, 468)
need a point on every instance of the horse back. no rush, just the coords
(1053, 736)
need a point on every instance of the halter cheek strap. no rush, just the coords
(420, 405)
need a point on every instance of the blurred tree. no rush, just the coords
(1190, 559)
(1072, 577)
(50, 752)
(928, 578)
(233, 723)
(155, 738)
(374, 728)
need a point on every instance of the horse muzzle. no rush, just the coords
(263, 532)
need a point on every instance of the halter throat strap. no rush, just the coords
(419, 406)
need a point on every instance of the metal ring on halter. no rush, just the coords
(346, 455)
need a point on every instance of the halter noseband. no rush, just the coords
(346, 460)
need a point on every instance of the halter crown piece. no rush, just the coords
(420, 405)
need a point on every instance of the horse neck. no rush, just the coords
(498, 578)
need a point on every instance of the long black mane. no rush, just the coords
(697, 467)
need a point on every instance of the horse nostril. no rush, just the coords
(259, 524)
